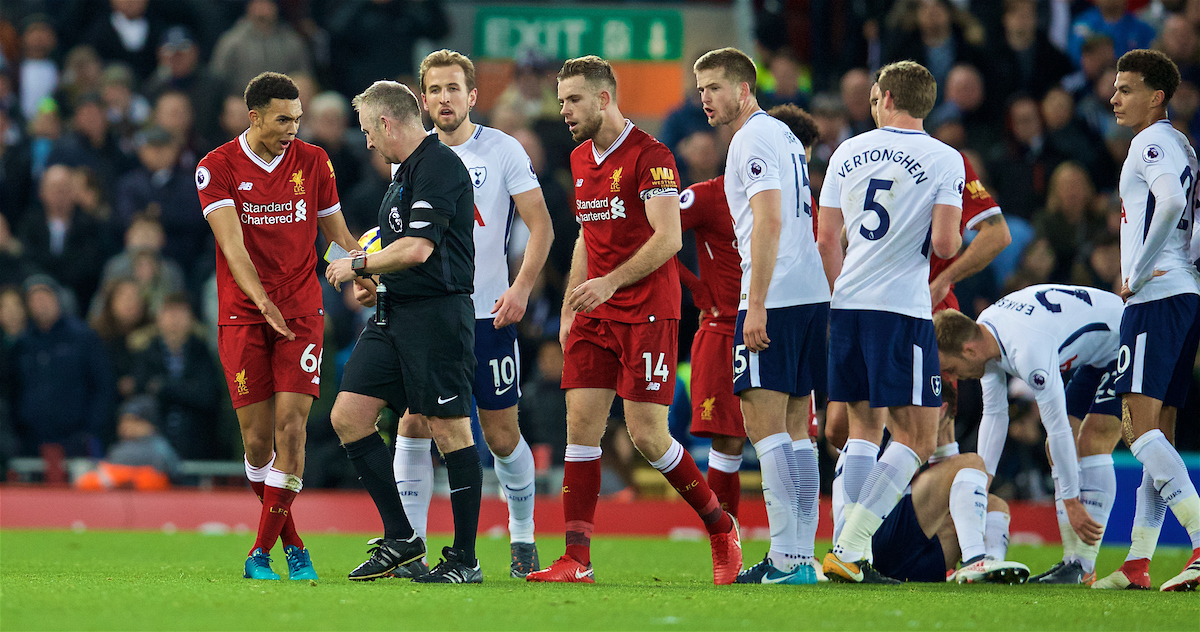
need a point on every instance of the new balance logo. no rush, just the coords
(245, 186)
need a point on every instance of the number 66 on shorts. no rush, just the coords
(258, 362)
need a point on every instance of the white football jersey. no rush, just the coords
(886, 182)
(764, 155)
(1159, 150)
(1043, 331)
(499, 169)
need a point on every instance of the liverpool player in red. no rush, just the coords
(264, 194)
(620, 317)
(716, 411)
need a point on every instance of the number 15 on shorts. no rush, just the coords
(656, 371)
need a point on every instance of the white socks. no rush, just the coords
(968, 510)
(516, 473)
(1149, 511)
(413, 467)
(782, 495)
(670, 459)
(1070, 540)
(1163, 462)
(810, 495)
(838, 506)
(258, 474)
(995, 535)
(722, 462)
(879, 495)
(860, 458)
(1097, 489)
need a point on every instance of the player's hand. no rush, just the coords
(364, 296)
(276, 321)
(938, 289)
(704, 302)
(510, 308)
(564, 328)
(1125, 292)
(590, 294)
(1088, 530)
(754, 329)
(338, 272)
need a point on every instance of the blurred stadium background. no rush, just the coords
(105, 108)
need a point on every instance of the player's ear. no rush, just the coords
(472, 97)
(424, 102)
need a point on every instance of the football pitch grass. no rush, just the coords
(60, 580)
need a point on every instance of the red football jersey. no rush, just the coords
(978, 205)
(278, 204)
(703, 209)
(610, 193)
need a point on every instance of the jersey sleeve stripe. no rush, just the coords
(991, 212)
(330, 211)
(218, 204)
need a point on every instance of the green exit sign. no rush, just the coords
(616, 34)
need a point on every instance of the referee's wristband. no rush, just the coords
(359, 266)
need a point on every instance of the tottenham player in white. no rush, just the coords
(1161, 324)
(1036, 334)
(780, 352)
(898, 192)
(504, 179)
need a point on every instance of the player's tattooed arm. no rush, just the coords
(531, 206)
(992, 238)
(829, 242)
(228, 231)
(662, 212)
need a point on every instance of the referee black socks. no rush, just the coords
(466, 487)
(373, 462)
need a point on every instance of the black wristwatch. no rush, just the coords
(359, 266)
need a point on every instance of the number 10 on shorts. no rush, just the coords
(655, 370)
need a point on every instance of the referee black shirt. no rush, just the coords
(431, 196)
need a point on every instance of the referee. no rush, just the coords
(418, 354)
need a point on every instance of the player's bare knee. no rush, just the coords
(259, 448)
(996, 503)
(728, 445)
(1099, 435)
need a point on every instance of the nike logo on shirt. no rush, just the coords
(447, 400)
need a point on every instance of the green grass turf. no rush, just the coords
(57, 580)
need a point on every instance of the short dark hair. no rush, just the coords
(737, 66)
(913, 87)
(267, 86)
(177, 299)
(594, 70)
(800, 122)
(1157, 70)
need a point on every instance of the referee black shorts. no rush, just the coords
(422, 361)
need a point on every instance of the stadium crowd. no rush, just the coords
(107, 288)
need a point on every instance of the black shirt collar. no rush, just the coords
(429, 141)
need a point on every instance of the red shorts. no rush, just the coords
(635, 360)
(715, 409)
(259, 362)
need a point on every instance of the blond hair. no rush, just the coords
(913, 87)
(954, 330)
(737, 66)
(447, 57)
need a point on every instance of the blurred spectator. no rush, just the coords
(122, 312)
(532, 93)
(327, 123)
(90, 143)
(698, 158)
(260, 42)
(180, 372)
(833, 126)
(179, 69)
(234, 117)
(1095, 108)
(13, 318)
(1178, 40)
(173, 112)
(63, 381)
(139, 443)
(1037, 263)
(361, 205)
(142, 261)
(856, 96)
(38, 71)
(128, 34)
(686, 118)
(558, 202)
(14, 266)
(1111, 18)
(1070, 137)
(543, 407)
(373, 39)
(92, 198)
(16, 171)
(127, 110)
(785, 81)
(966, 100)
(59, 239)
(44, 131)
(1100, 264)
(935, 34)
(163, 188)
(1097, 56)
(1025, 60)
(1069, 220)
(1021, 167)
(80, 76)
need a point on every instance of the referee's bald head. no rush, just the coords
(391, 99)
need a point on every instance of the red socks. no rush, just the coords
(581, 490)
(288, 534)
(728, 488)
(685, 477)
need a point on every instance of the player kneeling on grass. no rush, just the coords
(942, 518)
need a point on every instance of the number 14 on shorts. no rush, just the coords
(656, 370)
